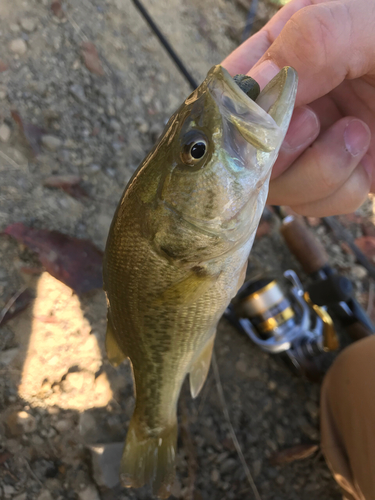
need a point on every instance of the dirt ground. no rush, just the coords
(63, 409)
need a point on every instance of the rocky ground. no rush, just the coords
(71, 108)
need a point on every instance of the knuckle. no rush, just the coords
(314, 31)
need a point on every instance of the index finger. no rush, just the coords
(249, 52)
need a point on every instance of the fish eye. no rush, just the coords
(194, 151)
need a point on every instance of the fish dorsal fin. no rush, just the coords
(114, 353)
(200, 368)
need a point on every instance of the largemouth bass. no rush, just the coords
(177, 252)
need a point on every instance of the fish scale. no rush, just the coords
(177, 252)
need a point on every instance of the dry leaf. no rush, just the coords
(298, 452)
(75, 262)
(71, 184)
(57, 9)
(32, 133)
(91, 58)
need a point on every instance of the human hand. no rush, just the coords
(327, 161)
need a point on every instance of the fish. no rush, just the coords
(177, 253)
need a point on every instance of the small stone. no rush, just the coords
(78, 381)
(143, 128)
(254, 373)
(102, 386)
(272, 385)
(241, 366)
(51, 142)
(78, 92)
(20, 422)
(4, 133)
(89, 493)
(257, 467)
(44, 495)
(228, 465)
(176, 489)
(28, 24)
(22, 496)
(63, 426)
(3, 89)
(14, 28)
(358, 272)
(215, 475)
(111, 110)
(106, 459)
(115, 125)
(18, 46)
(280, 480)
(87, 425)
(8, 490)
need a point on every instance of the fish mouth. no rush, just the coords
(262, 123)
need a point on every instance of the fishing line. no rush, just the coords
(224, 406)
(180, 65)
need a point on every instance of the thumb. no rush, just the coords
(325, 43)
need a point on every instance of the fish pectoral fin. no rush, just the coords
(200, 368)
(188, 290)
(114, 353)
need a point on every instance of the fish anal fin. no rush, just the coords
(149, 459)
(200, 368)
(189, 289)
(115, 354)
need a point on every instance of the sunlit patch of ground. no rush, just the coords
(62, 358)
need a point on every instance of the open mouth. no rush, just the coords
(264, 122)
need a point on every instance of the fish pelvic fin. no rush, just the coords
(114, 353)
(149, 459)
(200, 368)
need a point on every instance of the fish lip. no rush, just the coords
(251, 120)
(220, 73)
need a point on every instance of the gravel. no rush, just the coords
(18, 46)
(64, 410)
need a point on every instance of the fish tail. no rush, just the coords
(150, 459)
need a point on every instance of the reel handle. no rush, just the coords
(302, 243)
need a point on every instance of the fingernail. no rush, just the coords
(357, 137)
(264, 72)
(303, 129)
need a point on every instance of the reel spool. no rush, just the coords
(285, 323)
